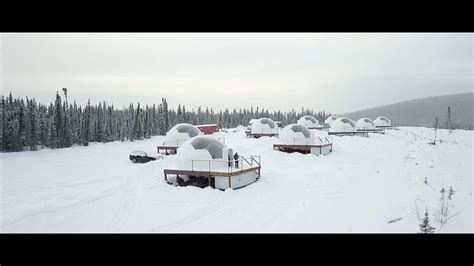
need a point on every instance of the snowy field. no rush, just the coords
(360, 187)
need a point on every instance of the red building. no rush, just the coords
(209, 128)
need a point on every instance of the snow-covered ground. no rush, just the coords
(360, 187)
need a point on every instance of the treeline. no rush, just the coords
(29, 125)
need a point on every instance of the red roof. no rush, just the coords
(208, 128)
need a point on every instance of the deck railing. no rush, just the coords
(325, 140)
(227, 166)
(273, 131)
(312, 141)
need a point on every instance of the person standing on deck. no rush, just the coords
(236, 158)
(230, 160)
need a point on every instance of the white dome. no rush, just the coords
(252, 120)
(343, 124)
(382, 121)
(365, 123)
(180, 133)
(196, 153)
(329, 120)
(308, 121)
(296, 134)
(263, 126)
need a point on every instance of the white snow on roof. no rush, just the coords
(382, 121)
(177, 135)
(330, 119)
(295, 134)
(308, 121)
(365, 123)
(263, 126)
(343, 124)
(252, 120)
(206, 125)
(196, 153)
(138, 153)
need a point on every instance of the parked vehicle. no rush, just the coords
(141, 157)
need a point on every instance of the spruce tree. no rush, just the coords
(67, 123)
(136, 125)
(425, 227)
(86, 124)
(22, 122)
(179, 115)
(33, 125)
(166, 125)
(43, 127)
(58, 137)
(2, 124)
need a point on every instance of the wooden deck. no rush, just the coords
(396, 127)
(258, 135)
(377, 130)
(356, 133)
(250, 164)
(301, 147)
(212, 173)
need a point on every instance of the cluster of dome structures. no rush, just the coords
(346, 126)
(206, 161)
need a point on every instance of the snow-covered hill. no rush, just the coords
(422, 112)
(360, 187)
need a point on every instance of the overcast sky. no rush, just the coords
(332, 71)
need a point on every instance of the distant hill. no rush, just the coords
(422, 112)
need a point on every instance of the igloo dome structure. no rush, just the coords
(310, 122)
(328, 122)
(382, 121)
(296, 134)
(263, 127)
(249, 127)
(251, 121)
(343, 124)
(205, 161)
(365, 124)
(201, 150)
(180, 133)
(298, 138)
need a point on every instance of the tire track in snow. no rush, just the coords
(187, 219)
(46, 210)
(132, 187)
(63, 185)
